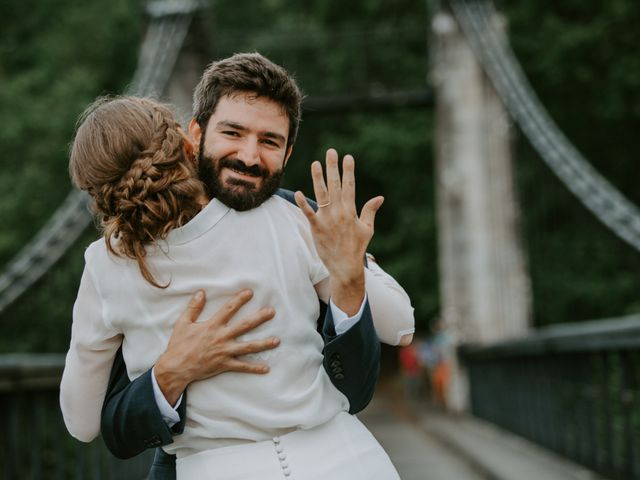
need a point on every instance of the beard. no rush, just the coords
(236, 193)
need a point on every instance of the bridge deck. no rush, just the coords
(428, 444)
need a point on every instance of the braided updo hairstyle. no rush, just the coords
(130, 156)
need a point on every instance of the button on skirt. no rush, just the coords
(341, 449)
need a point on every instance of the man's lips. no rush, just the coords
(242, 175)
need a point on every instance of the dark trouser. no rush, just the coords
(163, 467)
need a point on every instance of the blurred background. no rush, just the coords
(397, 84)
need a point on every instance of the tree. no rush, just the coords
(580, 57)
(53, 61)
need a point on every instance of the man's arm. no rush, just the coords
(352, 359)
(341, 237)
(131, 420)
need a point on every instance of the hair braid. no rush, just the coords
(138, 174)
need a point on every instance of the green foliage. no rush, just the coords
(581, 58)
(376, 46)
(59, 71)
(55, 57)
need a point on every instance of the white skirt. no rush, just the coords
(341, 449)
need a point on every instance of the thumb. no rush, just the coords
(368, 213)
(194, 309)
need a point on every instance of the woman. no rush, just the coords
(163, 239)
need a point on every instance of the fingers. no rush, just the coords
(302, 203)
(333, 176)
(255, 346)
(319, 187)
(251, 322)
(194, 309)
(247, 367)
(230, 308)
(368, 214)
(349, 183)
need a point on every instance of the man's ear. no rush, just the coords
(186, 137)
(287, 155)
(195, 132)
(188, 147)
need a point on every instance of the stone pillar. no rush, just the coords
(196, 54)
(484, 284)
(183, 80)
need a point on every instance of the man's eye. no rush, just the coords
(231, 133)
(270, 142)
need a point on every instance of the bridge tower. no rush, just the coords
(484, 283)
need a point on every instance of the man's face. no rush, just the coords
(243, 151)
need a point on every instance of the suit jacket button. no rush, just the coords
(339, 376)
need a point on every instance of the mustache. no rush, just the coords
(239, 165)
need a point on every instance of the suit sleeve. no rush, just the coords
(131, 421)
(352, 359)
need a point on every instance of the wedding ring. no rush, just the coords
(324, 205)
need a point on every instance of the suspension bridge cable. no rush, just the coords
(581, 178)
(163, 41)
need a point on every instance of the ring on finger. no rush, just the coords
(324, 205)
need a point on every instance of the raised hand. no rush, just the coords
(340, 235)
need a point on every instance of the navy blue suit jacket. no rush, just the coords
(132, 423)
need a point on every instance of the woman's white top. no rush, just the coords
(268, 250)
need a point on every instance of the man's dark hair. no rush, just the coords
(247, 73)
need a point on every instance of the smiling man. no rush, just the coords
(243, 150)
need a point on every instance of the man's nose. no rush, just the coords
(249, 152)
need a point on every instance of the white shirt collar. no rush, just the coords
(204, 221)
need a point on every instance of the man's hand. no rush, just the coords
(201, 350)
(340, 236)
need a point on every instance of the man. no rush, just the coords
(246, 116)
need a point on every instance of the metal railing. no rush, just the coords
(34, 441)
(573, 388)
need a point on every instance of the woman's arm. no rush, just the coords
(88, 363)
(390, 305)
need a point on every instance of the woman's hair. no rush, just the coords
(130, 156)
